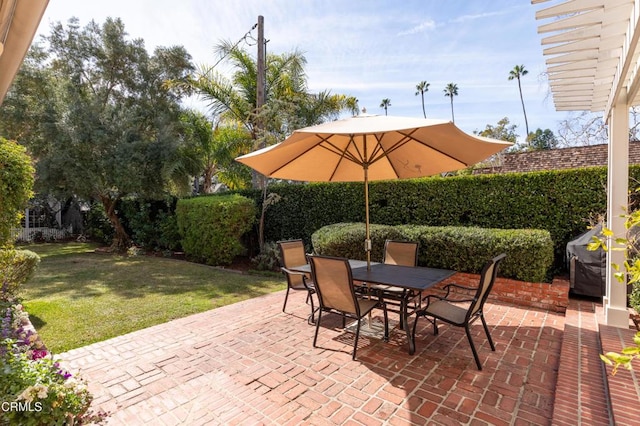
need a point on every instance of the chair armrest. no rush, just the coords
(303, 274)
(290, 272)
(445, 299)
(434, 296)
(449, 286)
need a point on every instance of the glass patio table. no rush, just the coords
(416, 278)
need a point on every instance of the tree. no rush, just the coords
(231, 141)
(516, 73)
(542, 140)
(288, 104)
(450, 91)
(16, 182)
(503, 131)
(214, 148)
(386, 103)
(112, 129)
(421, 88)
(583, 129)
(197, 132)
(23, 111)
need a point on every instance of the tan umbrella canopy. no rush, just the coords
(372, 147)
(19, 20)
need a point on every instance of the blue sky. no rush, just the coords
(371, 49)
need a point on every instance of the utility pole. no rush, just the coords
(260, 83)
(258, 180)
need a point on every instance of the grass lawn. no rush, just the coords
(77, 297)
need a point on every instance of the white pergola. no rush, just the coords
(19, 20)
(591, 48)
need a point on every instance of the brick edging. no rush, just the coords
(552, 296)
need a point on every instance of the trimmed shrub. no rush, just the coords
(463, 249)
(347, 240)
(16, 267)
(212, 227)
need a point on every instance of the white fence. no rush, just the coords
(27, 235)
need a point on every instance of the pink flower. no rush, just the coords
(38, 353)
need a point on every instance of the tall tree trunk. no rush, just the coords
(453, 118)
(526, 124)
(121, 240)
(209, 172)
(423, 110)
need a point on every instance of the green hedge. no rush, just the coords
(562, 202)
(16, 267)
(347, 240)
(212, 227)
(463, 249)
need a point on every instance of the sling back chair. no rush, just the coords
(445, 309)
(292, 254)
(334, 285)
(404, 253)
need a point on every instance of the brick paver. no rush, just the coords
(250, 363)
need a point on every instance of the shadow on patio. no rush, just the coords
(250, 363)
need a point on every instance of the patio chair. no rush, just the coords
(403, 253)
(292, 254)
(446, 309)
(334, 286)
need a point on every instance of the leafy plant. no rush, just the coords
(97, 225)
(152, 223)
(34, 388)
(624, 358)
(267, 259)
(629, 272)
(41, 391)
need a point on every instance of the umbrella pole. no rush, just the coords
(367, 241)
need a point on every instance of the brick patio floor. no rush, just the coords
(250, 363)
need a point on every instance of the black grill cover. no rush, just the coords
(587, 268)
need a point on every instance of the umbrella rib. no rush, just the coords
(385, 152)
(407, 138)
(343, 153)
(435, 149)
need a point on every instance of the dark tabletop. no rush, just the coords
(414, 278)
(410, 277)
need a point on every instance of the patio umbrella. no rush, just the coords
(371, 147)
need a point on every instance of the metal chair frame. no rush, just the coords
(292, 254)
(336, 294)
(443, 308)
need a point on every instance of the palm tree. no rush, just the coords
(386, 103)
(451, 90)
(288, 106)
(422, 87)
(517, 72)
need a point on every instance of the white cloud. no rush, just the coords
(466, 18)
(427, 25)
